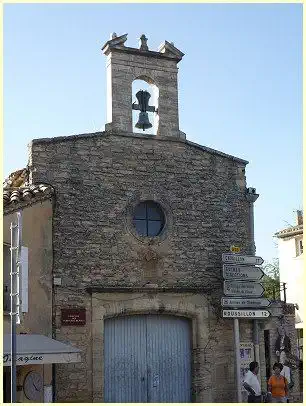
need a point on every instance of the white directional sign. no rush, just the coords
(242, 272)
(245, 302)
(235, 288)
(246, 314)
(242, 259)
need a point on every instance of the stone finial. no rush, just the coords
(169, 49)
(114, 42)
(143, 43)
(299, 215)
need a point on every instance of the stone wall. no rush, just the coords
(98, 180)
(213, 378)
(74, 381)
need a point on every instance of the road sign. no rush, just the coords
(242, 272)
(236, 288)
(245, 314)
(245, 302)
(242, 259)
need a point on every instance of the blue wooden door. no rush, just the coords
(147, 359)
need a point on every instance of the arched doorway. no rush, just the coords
(147, 358)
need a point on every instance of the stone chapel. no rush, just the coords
(141, 217)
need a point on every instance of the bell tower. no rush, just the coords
(159, 68)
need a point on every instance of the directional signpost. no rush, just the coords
(241, 275)
(246, 314)
(242, 272)
(238, 288)
(245, 302)
(242, 259)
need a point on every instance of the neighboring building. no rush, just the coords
(291, 267)
(36, 350)
(140, 223)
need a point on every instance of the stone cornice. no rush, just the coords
(136, 135)
(290, 232)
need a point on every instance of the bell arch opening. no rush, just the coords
(145, 106)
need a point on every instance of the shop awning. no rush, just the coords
(39, 349)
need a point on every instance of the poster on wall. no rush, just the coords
(246, 356)
(246, 352)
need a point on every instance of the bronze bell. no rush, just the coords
(143, 105)
(143, 121)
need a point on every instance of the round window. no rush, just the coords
(148, 219)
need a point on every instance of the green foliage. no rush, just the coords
(270, 280)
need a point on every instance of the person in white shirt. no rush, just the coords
(286, 372)
(252, 384)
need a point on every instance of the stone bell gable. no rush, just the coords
(100, 178)
(124, 65)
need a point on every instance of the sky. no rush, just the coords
(240, 85)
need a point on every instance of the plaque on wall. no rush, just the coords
(73, 317)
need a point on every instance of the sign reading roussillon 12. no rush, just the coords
(246, 314)
(242, 259)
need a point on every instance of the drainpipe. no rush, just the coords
(251, 197)
(16, 243)
(53, 302)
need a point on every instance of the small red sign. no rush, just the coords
(73, 317)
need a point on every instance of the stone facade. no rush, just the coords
(103, 264)
(98, 179)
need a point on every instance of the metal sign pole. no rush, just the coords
(13, 311)
(237, 357)
(252, 197)
(18, 265)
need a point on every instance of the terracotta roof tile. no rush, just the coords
(22, 196)
(17, 179)
(18, 193)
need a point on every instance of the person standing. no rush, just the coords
(251, 383)
(278, 385)
(286, 372)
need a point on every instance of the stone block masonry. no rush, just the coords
(124, 65)
(98, 180)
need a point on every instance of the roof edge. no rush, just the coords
(136, 135)
(66, 137)
(19, 198)
(216, 152)
(290, 232)
(24, 205)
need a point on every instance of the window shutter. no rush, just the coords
(24, 279)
